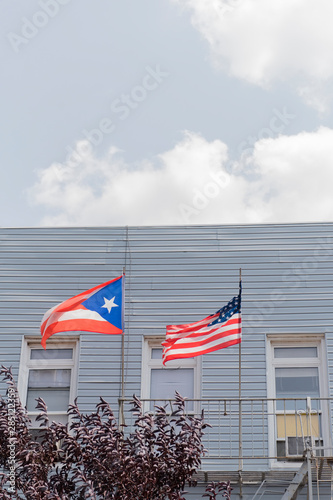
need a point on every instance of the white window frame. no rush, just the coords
(26, 364)
(150, 342)
(320, 362)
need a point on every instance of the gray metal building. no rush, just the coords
(177, 275)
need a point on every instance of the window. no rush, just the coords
(159, 382)
(49, 374)
(297, 382)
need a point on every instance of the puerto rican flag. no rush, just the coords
(217, 331)
(98, 310)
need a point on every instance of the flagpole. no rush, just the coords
(122, 397)
(240, 348)
(240, 463)
(123, 339)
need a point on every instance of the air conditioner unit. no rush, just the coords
(295, 447)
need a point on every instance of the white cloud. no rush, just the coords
(263, 41)
(108, 191)
(294, 177)
(284, 179)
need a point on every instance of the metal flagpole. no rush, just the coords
(121, 409)
(123, 339)
(240, 459)
(240, 344)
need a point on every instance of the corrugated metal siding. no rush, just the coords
(174, 275)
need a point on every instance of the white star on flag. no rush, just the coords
(109, 304)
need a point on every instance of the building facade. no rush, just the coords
(275, 424)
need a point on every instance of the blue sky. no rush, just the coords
(168, 112)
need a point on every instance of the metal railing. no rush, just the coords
(271, 429)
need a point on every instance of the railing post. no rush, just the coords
(309, 447)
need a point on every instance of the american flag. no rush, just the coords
(217, 331)
(98, 310)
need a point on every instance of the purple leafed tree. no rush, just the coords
(93, 459)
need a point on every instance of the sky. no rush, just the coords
(157, 112)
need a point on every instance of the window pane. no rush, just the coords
(164, 383)
(49, 378)
(280, 449)
(156, 353)
(297, 382)
(56, 399)
(295, 352)
(51, 354)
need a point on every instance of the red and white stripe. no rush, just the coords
(71, 315)
(195, 339)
